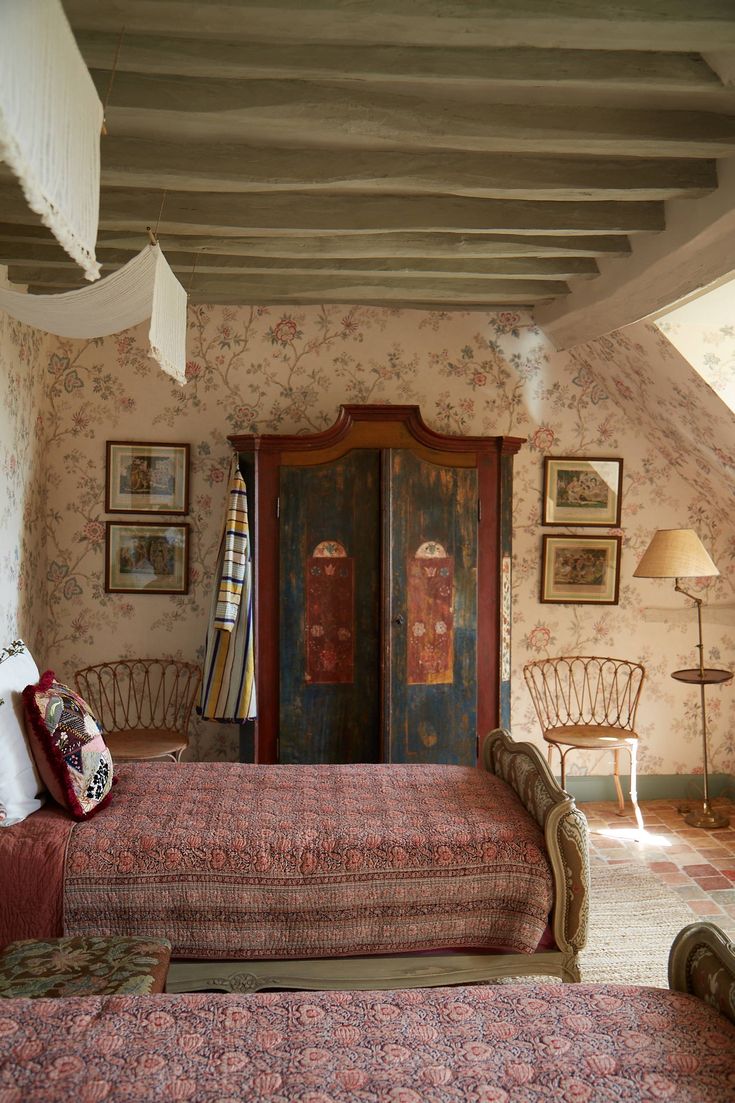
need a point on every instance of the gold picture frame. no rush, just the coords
(582, 490)
(144, 557)
(580, 570)
(144, 477)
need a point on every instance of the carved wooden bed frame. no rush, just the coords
(702, 964)
(519, 765)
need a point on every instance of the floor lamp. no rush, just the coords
(677, 554)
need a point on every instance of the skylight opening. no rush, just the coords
(703, 331)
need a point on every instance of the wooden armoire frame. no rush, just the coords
(381, 427)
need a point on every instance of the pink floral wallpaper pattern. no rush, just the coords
(287, 370)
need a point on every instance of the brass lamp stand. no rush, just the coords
(677, 554)
(702, 676)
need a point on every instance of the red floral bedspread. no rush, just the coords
(496, 1044)
(237, 861)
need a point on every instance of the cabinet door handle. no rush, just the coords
(399, 619)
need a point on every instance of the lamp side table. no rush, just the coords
(704, 676)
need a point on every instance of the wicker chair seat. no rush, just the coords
(590, 736)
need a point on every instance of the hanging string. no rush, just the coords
(193, 270)
(112, 81)
(153, 234)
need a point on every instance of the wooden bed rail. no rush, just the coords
(522, 766)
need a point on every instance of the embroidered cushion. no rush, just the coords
(91, 966)
(20, 783)
(68, 746)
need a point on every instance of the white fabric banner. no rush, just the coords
(144, 288)
(50, 123)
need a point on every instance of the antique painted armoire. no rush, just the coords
(381, 566)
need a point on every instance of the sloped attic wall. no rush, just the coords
(272, 370)
(661, 394)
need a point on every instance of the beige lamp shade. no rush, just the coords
(675, 553)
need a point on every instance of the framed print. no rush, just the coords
(146, 558)
(580, 570)
(582, 491)
(147, 478)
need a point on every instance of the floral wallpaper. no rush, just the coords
(287, 370)
(674, 406)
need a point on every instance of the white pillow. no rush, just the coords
(20, 783)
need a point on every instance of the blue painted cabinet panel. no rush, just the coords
(330, 696)
(431, 675)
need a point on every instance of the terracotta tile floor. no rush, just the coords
(698, 865)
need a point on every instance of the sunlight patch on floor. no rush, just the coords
(633, 834)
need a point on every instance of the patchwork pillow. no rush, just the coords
(68, 746)
(20, 783)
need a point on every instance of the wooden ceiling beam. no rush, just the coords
(490, 71)
(351, 297)
(222, 214)
(677, 25)
(227, 167)
(313, 288)
(440, 245)
(299, 114)
(30, 257)
(274, 283)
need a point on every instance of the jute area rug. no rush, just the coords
(633, 921)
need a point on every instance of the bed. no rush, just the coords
(352, 877)
(530, 1042)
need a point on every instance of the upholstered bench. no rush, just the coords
(84, 966)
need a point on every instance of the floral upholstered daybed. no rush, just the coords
(510, 1043)
(313, 876)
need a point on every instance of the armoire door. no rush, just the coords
(329, 631)
(430, 624)
(378, 579)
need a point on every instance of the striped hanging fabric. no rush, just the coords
(228, 688)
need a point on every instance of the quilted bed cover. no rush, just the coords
(516, 1043)
(235, 861)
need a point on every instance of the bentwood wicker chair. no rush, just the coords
(588, 702)
(143, 705)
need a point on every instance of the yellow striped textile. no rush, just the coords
(228, 688)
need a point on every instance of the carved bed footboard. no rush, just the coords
(522, 766)
(702, 963)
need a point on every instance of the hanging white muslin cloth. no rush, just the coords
(50, 123)
(228, 688)
(144, 288)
